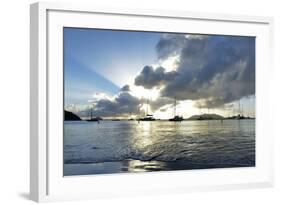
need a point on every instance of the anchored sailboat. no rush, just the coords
(93, 119)
(176, 117)
(147, 117)
(240, 116)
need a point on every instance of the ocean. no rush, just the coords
(128, 146)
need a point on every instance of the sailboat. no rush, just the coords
(147, 117)
(240, 116)
(94, 119)
(176, 118)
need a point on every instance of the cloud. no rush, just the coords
(169, 45)
(150, 77)
(125, 88)
(160, 102)
(212, 69)
(123, 104)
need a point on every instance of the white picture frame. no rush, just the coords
(46, 180)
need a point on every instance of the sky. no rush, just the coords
(133, 73)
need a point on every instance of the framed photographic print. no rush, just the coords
(123, 97)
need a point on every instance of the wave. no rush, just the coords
(170, 154)
(132, 155)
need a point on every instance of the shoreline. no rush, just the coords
(138, 166)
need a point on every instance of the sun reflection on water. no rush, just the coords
(144, 166)
(143, 135)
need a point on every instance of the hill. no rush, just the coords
(69, 116)
(206, 117)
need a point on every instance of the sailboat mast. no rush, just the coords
(91, 112)
(175, 107)
(146, 106)
(239, 108)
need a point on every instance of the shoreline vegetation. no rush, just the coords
(69, 116)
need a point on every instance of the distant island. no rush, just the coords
(218, 117)
(206, 117)
(69, 116)
(240, 117)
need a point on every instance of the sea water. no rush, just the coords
(131, 146)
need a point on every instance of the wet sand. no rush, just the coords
(137, 166)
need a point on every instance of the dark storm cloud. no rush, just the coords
(213, 70)
(160, 102)
(124, 104)
(125, 88)
(149, 77)
(169, 45)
